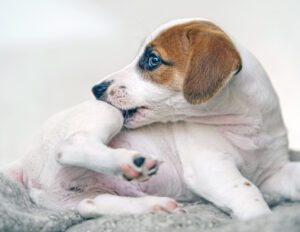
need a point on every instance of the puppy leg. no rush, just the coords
(214, 176)
(285, 182)
(83, 150)
(116, 205)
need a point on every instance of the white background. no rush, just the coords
(53, 51)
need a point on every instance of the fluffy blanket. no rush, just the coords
(18, 213)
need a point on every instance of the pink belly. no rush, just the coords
(169, 179)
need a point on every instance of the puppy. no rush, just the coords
(200, 103)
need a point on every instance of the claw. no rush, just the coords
(152, 172)
(127, 178)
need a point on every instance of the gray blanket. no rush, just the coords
(18, 213)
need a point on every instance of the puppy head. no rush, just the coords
(180, 66)
(196, 58)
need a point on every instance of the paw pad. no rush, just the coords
(139, 161)
(142, 169)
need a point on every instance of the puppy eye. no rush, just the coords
(153, 62)
(150, 61)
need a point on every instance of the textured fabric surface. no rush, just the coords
(18, 213)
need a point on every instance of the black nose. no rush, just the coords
(99, 90)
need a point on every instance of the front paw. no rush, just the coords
(141, 168)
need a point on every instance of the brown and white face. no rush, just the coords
(182, 66)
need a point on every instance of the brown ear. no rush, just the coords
(213, 59)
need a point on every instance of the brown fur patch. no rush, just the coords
(203, 57)
(247, 184)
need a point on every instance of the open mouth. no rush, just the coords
(129, 112)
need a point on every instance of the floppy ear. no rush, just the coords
(212, 62)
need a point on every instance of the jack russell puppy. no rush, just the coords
(199, 112)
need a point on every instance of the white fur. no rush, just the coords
(227, 150)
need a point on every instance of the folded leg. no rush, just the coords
(84, 150)
(107, 204)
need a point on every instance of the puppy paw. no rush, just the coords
(163, 205)
(141, 168)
